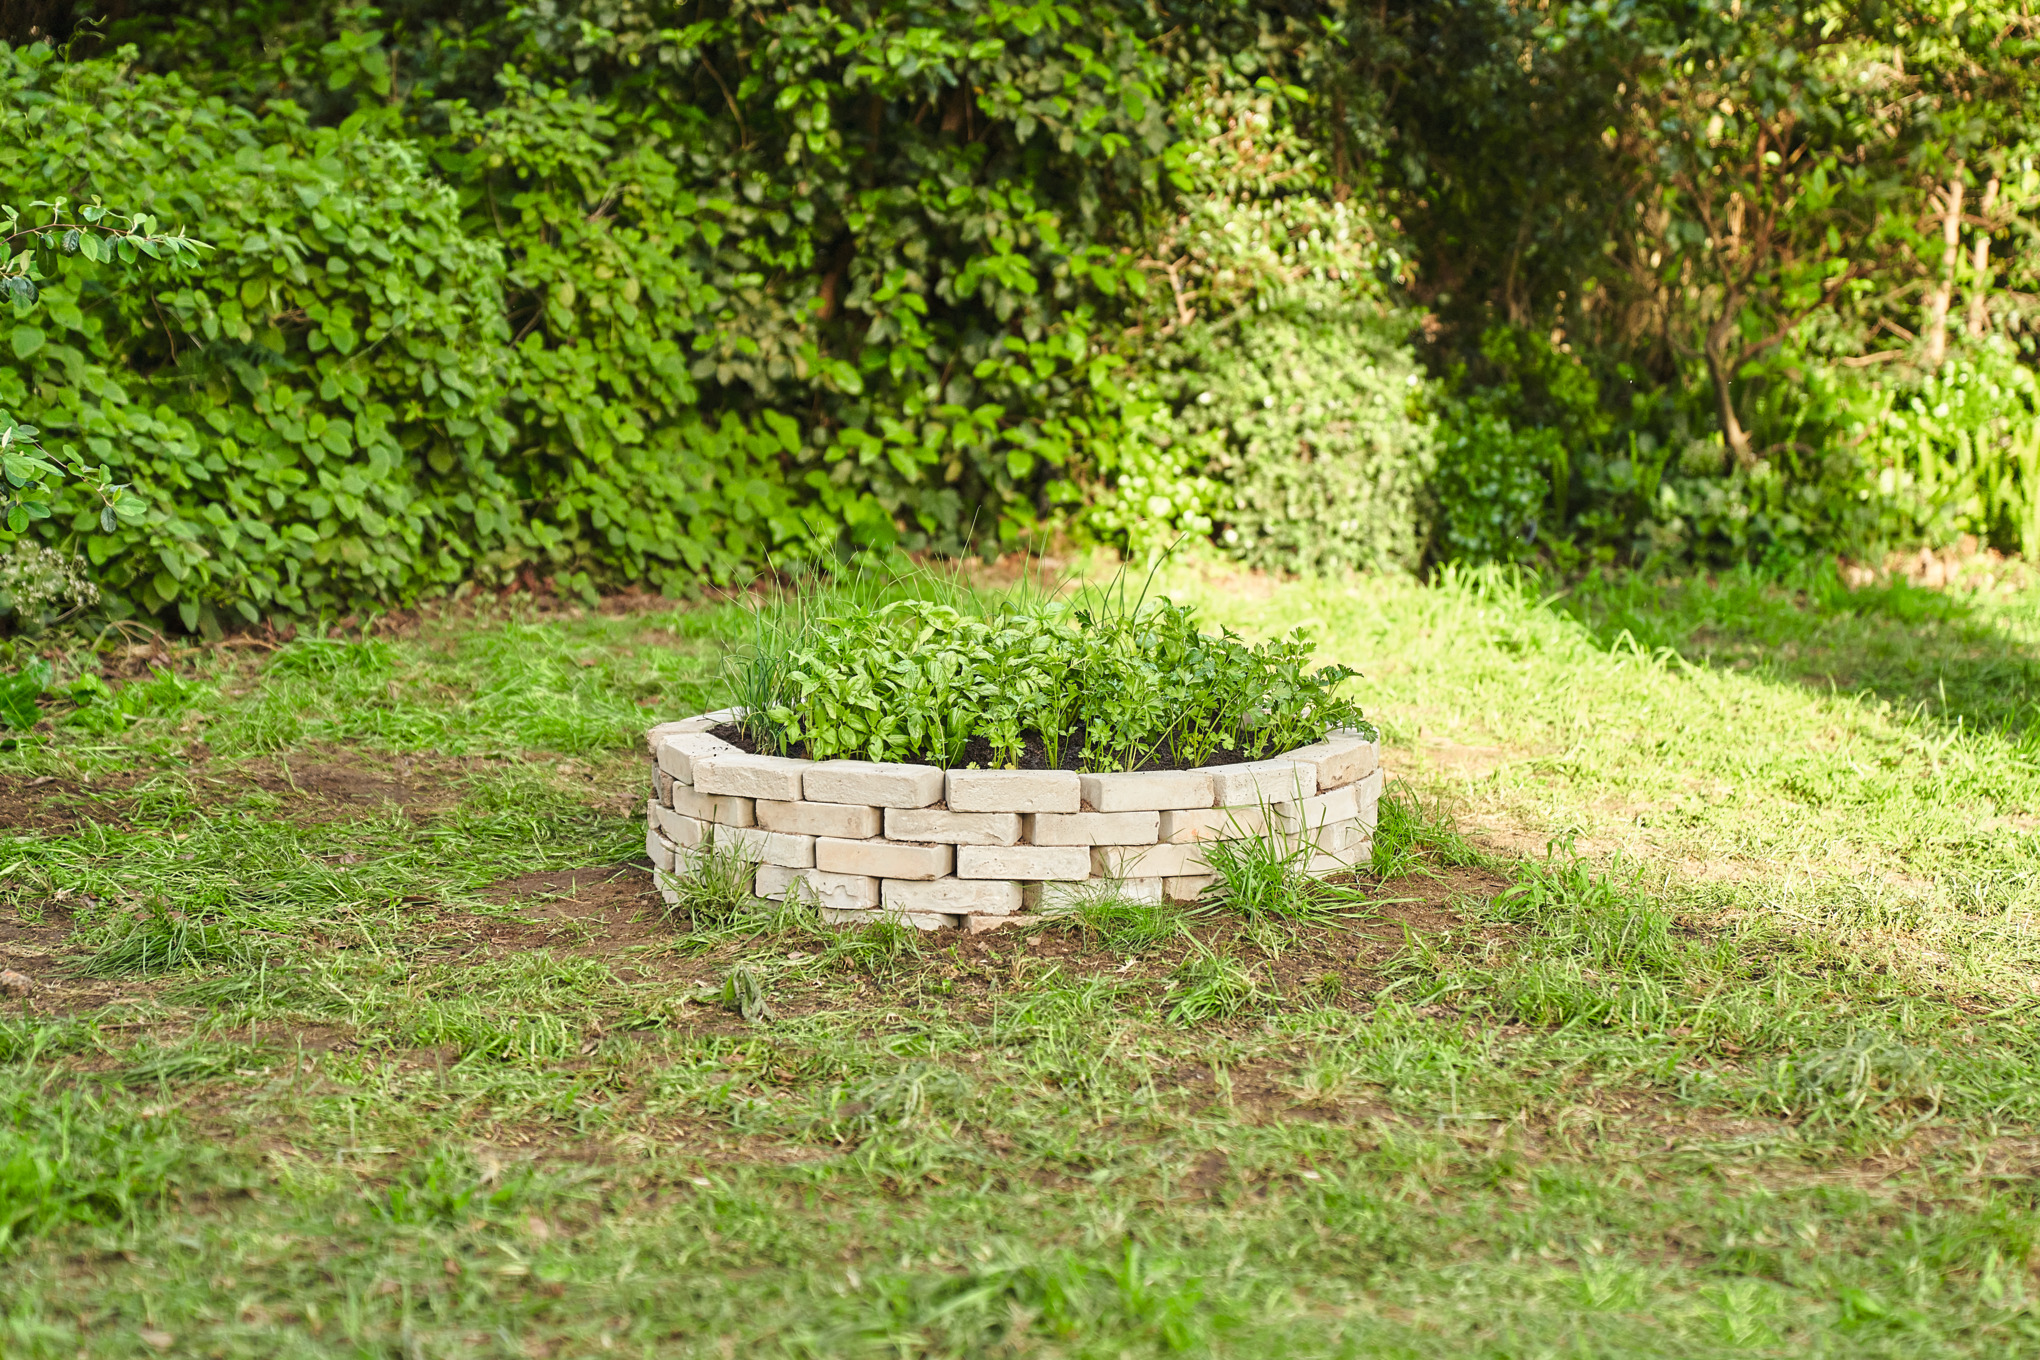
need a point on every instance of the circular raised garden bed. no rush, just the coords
(978, 849)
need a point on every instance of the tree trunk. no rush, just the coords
(1943, 291)
(1979, 268)
(1721, 366)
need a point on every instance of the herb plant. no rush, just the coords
(1099, 683)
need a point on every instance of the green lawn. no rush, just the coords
(1695, 1014)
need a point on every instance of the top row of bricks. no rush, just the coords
(714, 766)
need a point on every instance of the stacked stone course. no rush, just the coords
(981, 849)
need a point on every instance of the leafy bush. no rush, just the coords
(1103, 682)
(1310, 418)
(19, 692)
(1958, 451)
(1492, 487)
(642, 333)
(313, 418)
(1257, 236)
(652, 292)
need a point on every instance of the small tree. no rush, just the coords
(1779, 161)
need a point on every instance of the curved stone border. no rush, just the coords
(980, 849)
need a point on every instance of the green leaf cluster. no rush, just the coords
(639, 291)
(1098, 683)
(330, 413)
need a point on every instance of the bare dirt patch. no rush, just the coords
(41, 947)
(336, 782)
(601, 910)
(45, 803)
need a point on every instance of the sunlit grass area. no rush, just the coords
(1689, 1010)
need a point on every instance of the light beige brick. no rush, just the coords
(848, 821)
(773, 880)
(1014, 791)
(844, 892)
(659, 850)
(1321, 865)
(1023, 861)
(1147, 791)
(684, 800)
(662, 783)
(719, 808)
(1308, 814)
(749, 776)
(1147, 861)
(668, 894)
(942, 827)
(684, 831)
(836, 892)
(873, 783)
(952, 896)
(655, 736)
(978, 925)
(733, 810)
(770, 847)
(1068, 896)
(1214, 824)
(1262, 781)
(1187, 887)
(1337, 838)
(883, 859)
(920, 920)
(1368, 791)
(1341, 758)
(678, 752)
(1093, 828)
(705, 722)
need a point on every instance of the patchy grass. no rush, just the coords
(1689, 1008)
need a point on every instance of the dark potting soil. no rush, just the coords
(977, 752)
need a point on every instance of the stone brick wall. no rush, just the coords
(979, 849)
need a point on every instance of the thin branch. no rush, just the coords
(742, 131)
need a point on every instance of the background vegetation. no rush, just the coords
(648, 292)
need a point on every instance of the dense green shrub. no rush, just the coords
(1103, 682)
(1492, 487)
(898, 228)
(315, 418)
(1958, 451)
(621, 473)
(1311, 419)
(664, 331)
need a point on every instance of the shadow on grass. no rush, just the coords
(1959, 659)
